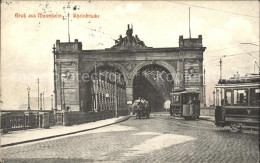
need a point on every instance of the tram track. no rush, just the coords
(226, 128)
(188, 125)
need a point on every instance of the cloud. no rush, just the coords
(240, 29)
(129, 8)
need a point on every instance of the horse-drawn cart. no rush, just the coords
(141, 108)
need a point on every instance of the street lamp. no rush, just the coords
(51, 102)
(54, 73)
(40, 101)
(214, 98)
(116, 109)
(28, 89)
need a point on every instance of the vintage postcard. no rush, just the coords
(130, 81)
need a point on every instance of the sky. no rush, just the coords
(26, 43)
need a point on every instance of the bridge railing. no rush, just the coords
(12, 120)
(72, 118)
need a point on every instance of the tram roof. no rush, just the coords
(241, 85)
(247, 79)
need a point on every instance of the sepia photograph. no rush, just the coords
(130, 81)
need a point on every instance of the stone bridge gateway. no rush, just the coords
(76, 91)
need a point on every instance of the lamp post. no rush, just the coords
(214, 98)
(116, 112)
(54, 73)
(38, 82)
(51, 102)
(43, 101)
(40, 101)
(28, 89)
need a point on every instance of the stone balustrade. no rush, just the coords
(12, 120)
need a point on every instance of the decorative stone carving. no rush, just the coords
(172, 63)
(70, 95)
(129, 41)
(191, 60)
(68, 64)
(180, 60)
(129, 66)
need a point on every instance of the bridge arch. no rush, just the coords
(166, 65)
(119, 67)
(146, 83)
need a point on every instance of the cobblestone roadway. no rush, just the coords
(180, 141)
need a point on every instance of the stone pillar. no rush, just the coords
(65, 118)
(45, 118)
(202, 100)
(6, 122)
(59, 117)
(180, 75)
(129, 96)
(129, 93)
(28, 119)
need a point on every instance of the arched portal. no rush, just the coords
(105, 90)
(154, 83)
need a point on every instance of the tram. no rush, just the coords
(185, 104)
(239, 106)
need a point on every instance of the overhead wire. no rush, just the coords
(252, 16)
(229, 47)
(225, 56)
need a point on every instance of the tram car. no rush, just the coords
(239, 106)
(141, 109)
(185, 104)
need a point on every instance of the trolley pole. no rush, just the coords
(220, 65)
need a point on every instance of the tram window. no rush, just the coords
(228, 97)
(176, 99)
(184, 99)
(240, 97)
(255, 96)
